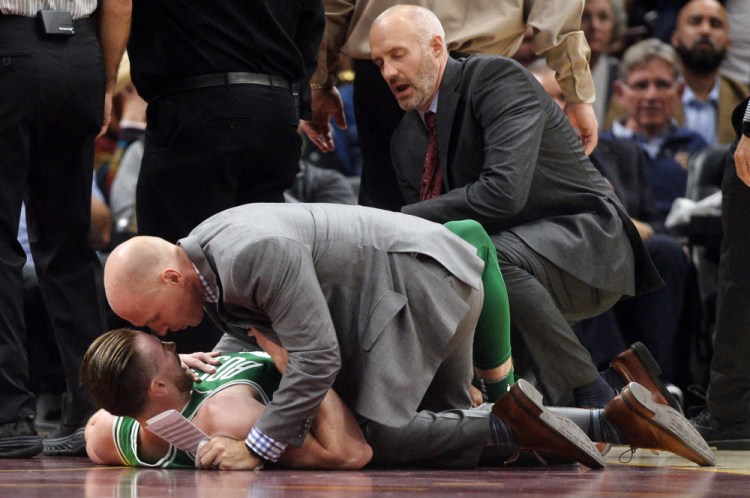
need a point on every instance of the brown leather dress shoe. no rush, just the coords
(648, 424)
(538, 429)
(637, 365)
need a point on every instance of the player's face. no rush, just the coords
(164, 355)
(408, 66)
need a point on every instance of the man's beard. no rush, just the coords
(423, 84)
(700, 60)
(184, 381)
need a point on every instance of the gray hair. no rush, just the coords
(426, 23)
(644, 52)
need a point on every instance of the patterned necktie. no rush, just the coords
(432, 177)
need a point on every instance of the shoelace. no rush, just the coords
(518, 452)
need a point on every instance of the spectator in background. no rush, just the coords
(736, 65)
(649, 88)
(603, 22)
(701, 39)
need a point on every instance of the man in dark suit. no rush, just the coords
(507, 158)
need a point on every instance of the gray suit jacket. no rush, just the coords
(511, 161)
(323, 280)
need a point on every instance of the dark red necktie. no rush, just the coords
(432, 177)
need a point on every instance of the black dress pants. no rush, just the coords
(52, 108)
(208, 150)
(729, 388)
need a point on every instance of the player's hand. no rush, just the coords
(107, 113)
(742, 159)
(223, 453)
(200, 361)
(583, 119)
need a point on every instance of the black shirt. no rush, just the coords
(174, 39)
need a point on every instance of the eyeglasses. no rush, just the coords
(642, 85)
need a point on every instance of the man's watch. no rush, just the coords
(746, 128)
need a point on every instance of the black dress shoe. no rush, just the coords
(721, 435)
(68, 441)
(19, 439)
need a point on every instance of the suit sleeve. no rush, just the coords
(509, 114)
(560, 40)
(283, 284)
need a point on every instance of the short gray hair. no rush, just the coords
(644, 52)
(426, 23)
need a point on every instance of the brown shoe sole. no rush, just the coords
(541, 430)
(672, 431)
(653, 383)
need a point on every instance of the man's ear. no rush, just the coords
(157, 388)
(437, 45)
(171, 276)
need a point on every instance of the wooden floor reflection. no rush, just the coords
(646, 474)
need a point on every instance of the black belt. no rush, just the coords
(227, 79)
(84, 25)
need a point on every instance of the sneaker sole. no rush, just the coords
(674, 425)
(71, 445)
(530, 400)
(20, 446)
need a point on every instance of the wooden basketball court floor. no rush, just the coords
(645, 475)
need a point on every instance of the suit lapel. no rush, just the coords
(447, 104)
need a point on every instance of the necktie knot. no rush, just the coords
(430, 118)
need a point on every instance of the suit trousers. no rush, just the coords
(51, 112)
(544, 301)
(729, 387)
(210, 149)
(377, 114)
(444, 433)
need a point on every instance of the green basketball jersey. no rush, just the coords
(250, 368)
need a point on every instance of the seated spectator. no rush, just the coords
(701, 39)
(648, 89)
(602, 23)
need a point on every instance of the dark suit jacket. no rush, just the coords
(621, 162)
(511, 161)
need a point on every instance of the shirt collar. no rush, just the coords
(210, 294)
(433, 107)
(689, 97)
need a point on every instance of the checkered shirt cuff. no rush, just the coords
(264, 446)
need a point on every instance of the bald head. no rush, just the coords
(423, 23)
(134, 266)
(151, 282)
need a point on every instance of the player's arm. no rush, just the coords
(100, 445)
(335, 440)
